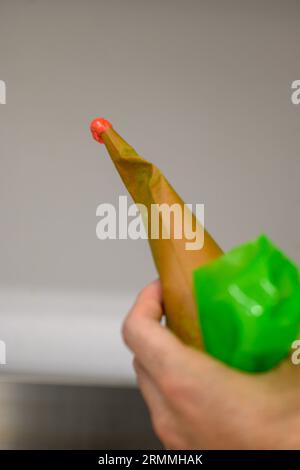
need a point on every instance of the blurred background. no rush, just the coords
(203, 89)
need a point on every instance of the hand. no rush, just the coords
(197, 402)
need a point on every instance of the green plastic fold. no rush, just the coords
(249, 305)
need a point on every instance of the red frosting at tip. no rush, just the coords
(98, 126)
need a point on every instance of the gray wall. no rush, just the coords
(202, 88)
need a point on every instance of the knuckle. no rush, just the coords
(176, 391)
(126, 329)
(137, 368)
(170, 385)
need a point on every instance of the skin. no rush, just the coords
(197, 402)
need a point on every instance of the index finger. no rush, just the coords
(155, 347)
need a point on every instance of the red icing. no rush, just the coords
(98, 126)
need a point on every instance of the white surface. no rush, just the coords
(64, 338)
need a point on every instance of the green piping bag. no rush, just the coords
(249, 305)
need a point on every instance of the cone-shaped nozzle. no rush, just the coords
(174, 262)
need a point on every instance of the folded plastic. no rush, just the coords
(249, 305)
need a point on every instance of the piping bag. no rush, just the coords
(174, 262)
(242, 307)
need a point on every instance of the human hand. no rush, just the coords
(197, 402)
